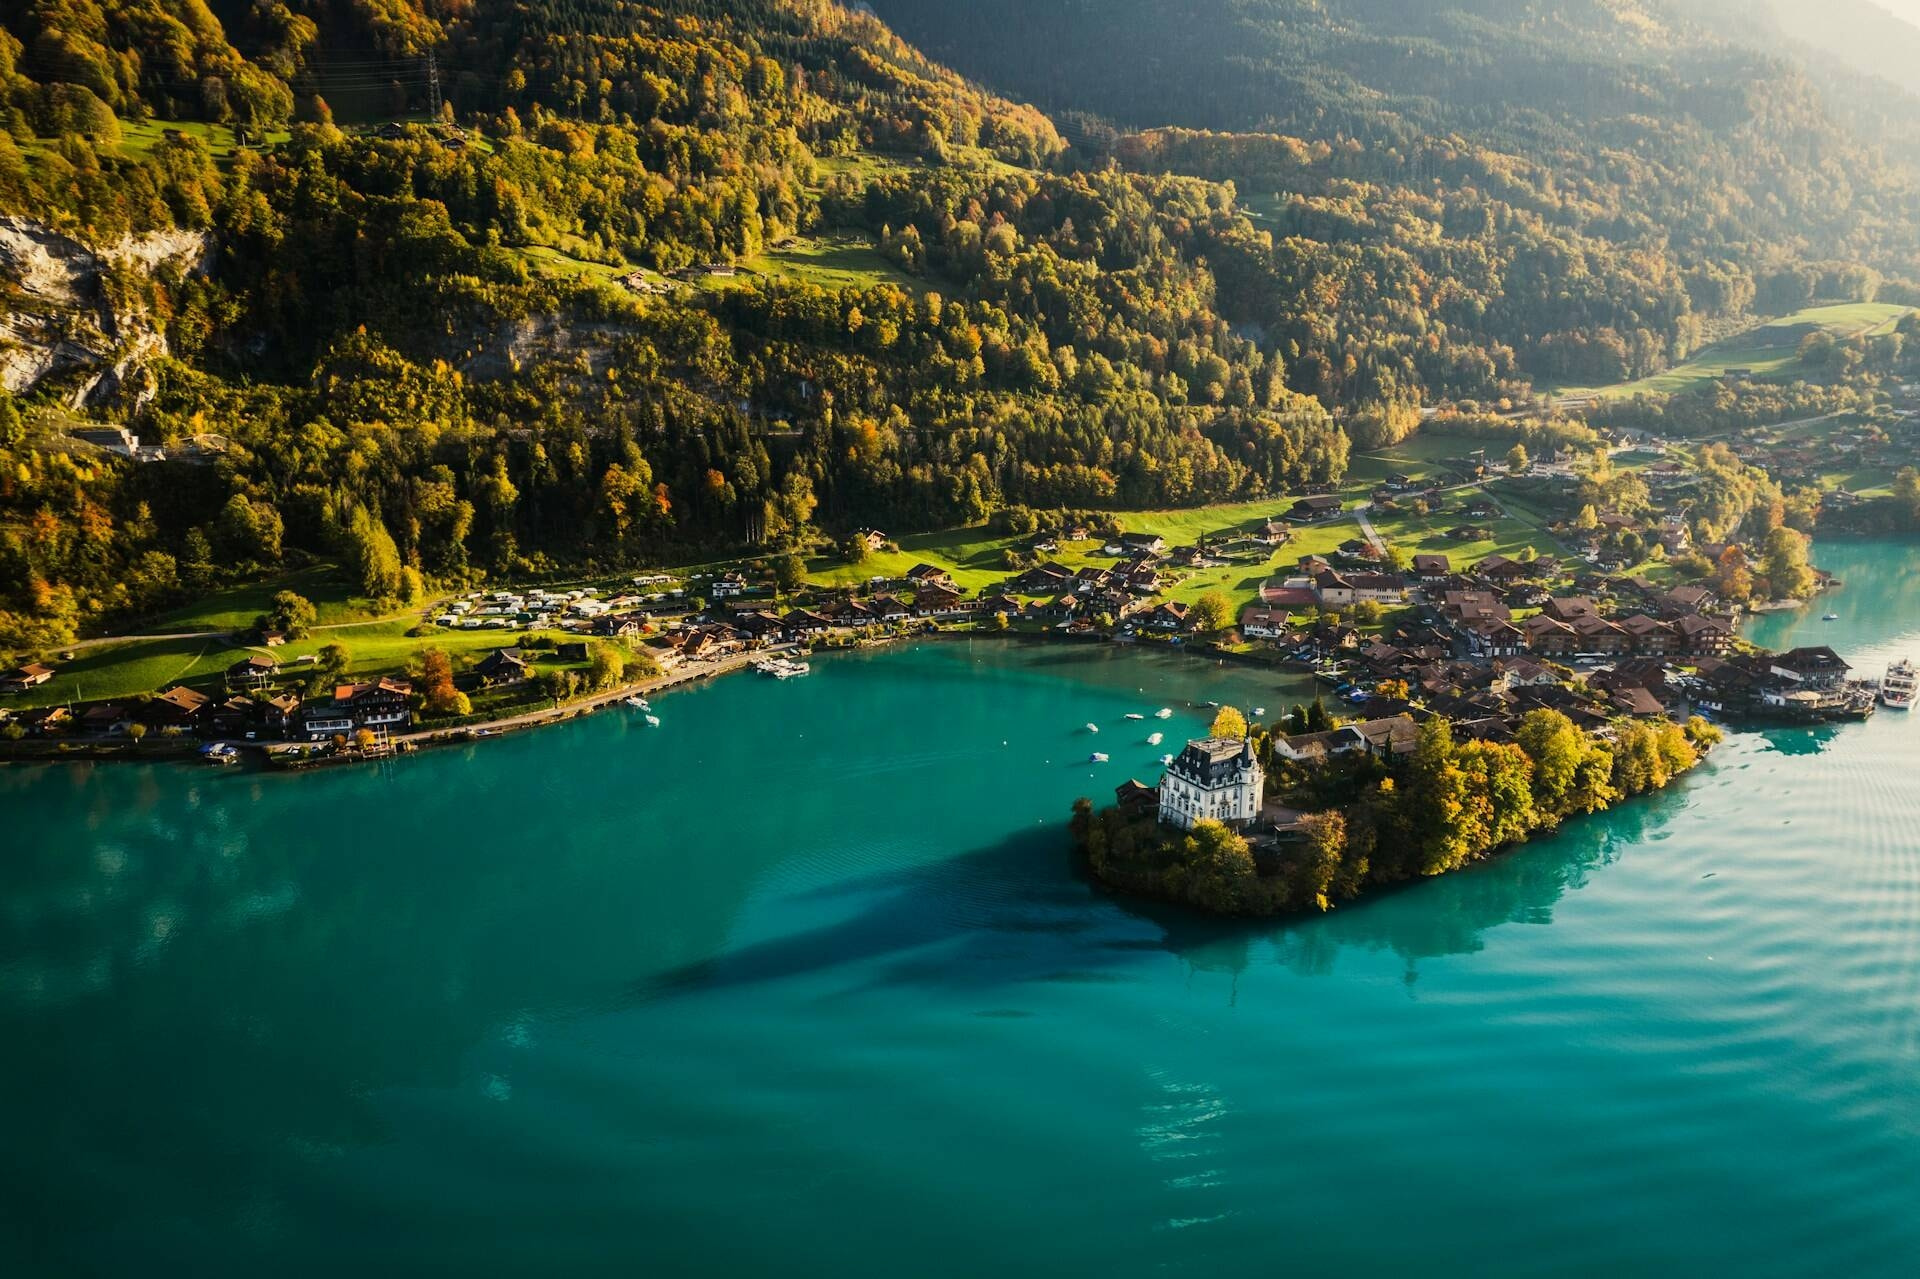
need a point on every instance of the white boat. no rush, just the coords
(1156, 738)
(1166, 761)
(1096, 758)
(781, 667)
(653, 721)
(1165, 712)
(1831, 617)
(1900, 686)
(1135, 715)
(1093, 728)
(1259, 710)
(638, 703)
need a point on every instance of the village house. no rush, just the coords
(1308, 509)
(1142, 544)
(1215, 779)
(940, 602)
(106, 720)
(251, 672)
(1263, 623)
(1432, 568)
(889, 610)
(928, 575)
(381, 707)
(1381, 738)
(1171, 616)
(1336, 590)
(802, 622)
(1503, 571)
(23, 678)
(1041, 579)
(1700, 635)
(503, 666)
(621, 626)
(179, 707)
(1136, 798)
(728, 586)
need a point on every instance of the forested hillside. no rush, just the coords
(1605, 181)
(452, 288)
(388, 366)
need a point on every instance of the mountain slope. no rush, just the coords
(1715, 148)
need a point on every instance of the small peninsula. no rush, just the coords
(1296, 820)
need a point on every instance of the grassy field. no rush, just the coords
(552, 262)
(380, 647)
(1771, 351)
(831, 262)
(236, 607)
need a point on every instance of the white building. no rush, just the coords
(1215, 779)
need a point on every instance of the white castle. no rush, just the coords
(1214, 779)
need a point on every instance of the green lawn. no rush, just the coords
(123, 670)
(1772, 350)
(549, 261)
(154, 665)
(841, 261)
(1427, 535)
(235, 608)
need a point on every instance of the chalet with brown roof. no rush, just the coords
(1570, 608)
(381, 706)
(1337, 590)
(1263, 623)
(1380, 738)
(504, 666)
(180, 706)
(889, 609)
(1432, 568)
(1137, 799)
(1313, 508)
(1703, 636)
(804, 621)
(1494, 637)
(1550, 637)
(925, 575)
(938, 601)
(1473, 606)
(1501, 569)
(1650, 636)
(23, 678)
(1171, 616)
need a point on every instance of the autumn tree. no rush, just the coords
(1228, 721)
(1211, 613)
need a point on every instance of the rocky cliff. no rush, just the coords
(66, 328)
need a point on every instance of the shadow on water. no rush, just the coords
(1005, 915)
(1802, 741)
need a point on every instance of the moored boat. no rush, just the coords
(1165, 712)
(1156, 738)
(1900, 686)
(1097, 758)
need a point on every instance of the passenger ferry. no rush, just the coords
(1897, 690)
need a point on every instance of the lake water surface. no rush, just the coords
(803, 981)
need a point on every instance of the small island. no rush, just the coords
(1253, 822)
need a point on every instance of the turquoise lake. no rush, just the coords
(803, 982)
